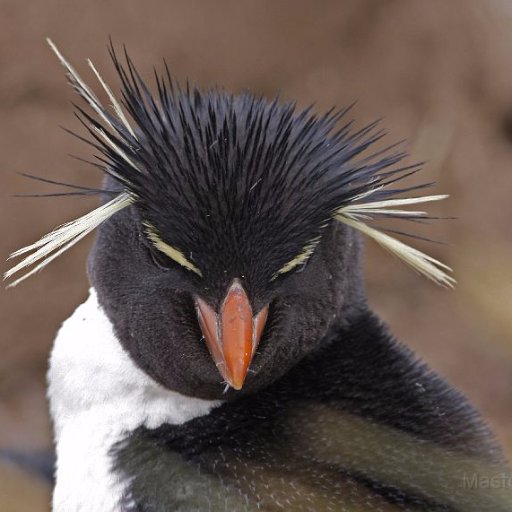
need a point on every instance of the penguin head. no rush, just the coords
(226, 245)
(229, 267)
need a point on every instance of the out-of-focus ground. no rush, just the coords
(438, 72)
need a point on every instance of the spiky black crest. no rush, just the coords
(236, 183)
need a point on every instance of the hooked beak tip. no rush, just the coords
(237, 385)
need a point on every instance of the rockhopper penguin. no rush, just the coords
(226, 358)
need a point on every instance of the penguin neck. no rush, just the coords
(98, 396)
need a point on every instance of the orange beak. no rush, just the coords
(232, 335)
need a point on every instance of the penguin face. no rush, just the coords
(228, 268)
(172, 319)
(220, 258)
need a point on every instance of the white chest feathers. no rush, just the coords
(97, 396)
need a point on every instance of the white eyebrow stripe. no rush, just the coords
(81, 87)
(421, 262)
(115, 104)
(88, 95)
(53, 244)
(301, 258)
(355, 214)
(170, 251)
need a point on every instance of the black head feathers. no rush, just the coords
(218, 179)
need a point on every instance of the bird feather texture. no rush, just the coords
(212, 152)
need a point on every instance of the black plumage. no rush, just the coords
(209, 169)
(240, 186)
(360, 424)
(220, 198)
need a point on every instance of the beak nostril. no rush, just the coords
(258, 326)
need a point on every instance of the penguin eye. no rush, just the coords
(300, 259)
(160, 260)
(163, 251)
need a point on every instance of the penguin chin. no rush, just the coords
(198, 377)
(178, 359)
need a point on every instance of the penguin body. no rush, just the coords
(361, 424)
(98, 396)
(227, 358)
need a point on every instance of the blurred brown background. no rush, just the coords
(438, 72)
